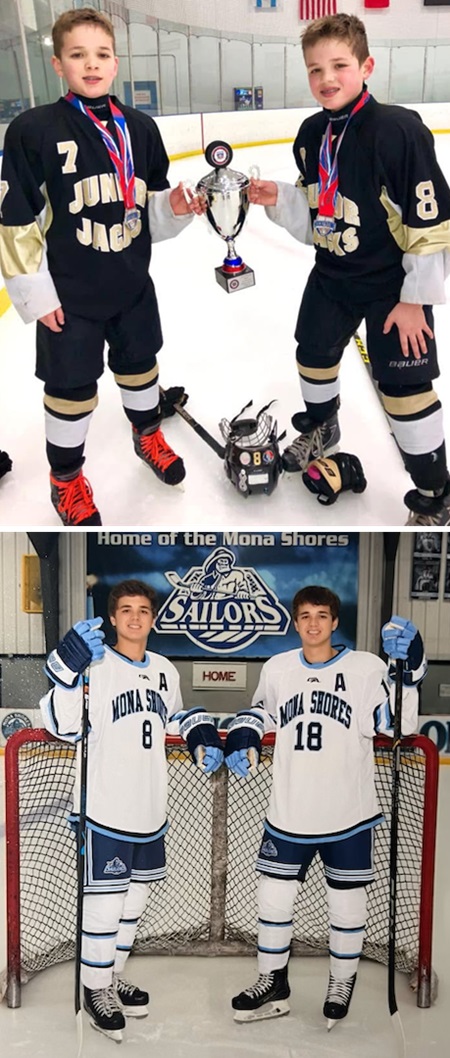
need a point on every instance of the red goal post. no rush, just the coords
(208, 903)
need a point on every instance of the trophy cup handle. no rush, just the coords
(254, 172)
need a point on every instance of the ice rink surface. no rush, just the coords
(190, 1014)
(226, 349)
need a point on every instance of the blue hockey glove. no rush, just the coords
(208, 758)
(82, 644)
(198, 730)
(91, 634)
(242, 761)
(402, 640)
(398, 636)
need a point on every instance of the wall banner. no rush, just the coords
(226, 593)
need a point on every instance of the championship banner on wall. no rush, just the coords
(226, 592)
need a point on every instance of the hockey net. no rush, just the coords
(208, 903)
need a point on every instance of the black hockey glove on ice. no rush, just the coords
(328, 476)
(169, 397)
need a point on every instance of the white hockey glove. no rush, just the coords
(82, 644)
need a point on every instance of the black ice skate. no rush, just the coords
(151, 446)
(265, 999)
(134, 1002)
(428, 510)
(73, 499)
(105, 1012)
(315, 440)
(5, 464)
(338, 998)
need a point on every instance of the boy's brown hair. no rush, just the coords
(347, 28)
(316, 595)
(83, 16)
(131, 587)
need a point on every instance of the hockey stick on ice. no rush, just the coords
(200, 430)
(81, 839)
(396, 753)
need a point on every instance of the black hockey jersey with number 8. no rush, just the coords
(392, 199)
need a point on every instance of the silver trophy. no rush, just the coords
(226, 193)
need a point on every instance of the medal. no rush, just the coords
(121, 157)
(325, 224)
(132, 218)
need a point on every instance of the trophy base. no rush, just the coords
(237, 281)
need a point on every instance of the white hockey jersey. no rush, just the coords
(325, 716)
(130, 706)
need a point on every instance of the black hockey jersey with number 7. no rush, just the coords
(62, 207)
(392, 199)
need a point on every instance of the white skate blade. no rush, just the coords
(134, 1012)
(116, 1034)
(270, 1010)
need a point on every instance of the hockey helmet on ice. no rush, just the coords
(252, 454)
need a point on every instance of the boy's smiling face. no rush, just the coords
(335, 74)
(87, 61)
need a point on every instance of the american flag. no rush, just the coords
(310, 9)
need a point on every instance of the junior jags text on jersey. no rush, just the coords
(393, 206)
(62, 205)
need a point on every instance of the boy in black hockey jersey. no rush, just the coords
(325, 704)
(84, 195)
(373, 201)
(134, 698)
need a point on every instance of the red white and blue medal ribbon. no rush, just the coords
(325, 223)
(121, 156)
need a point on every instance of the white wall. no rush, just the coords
(403, 20)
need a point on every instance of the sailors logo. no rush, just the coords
(221, 607)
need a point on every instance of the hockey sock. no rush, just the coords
(319, 383)
(67, 417)
(140, 397)
(416, 420)
(275, 909)
(134, 903)
(101, 916)
(329, 476)
(348, 913)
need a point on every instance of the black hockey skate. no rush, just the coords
(134, 1002)
(265, 999)
(151, 446)
(5, 464)
(338, 998)
(428, 510)
(105, 1012)
(73, 499)
(315, 440)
